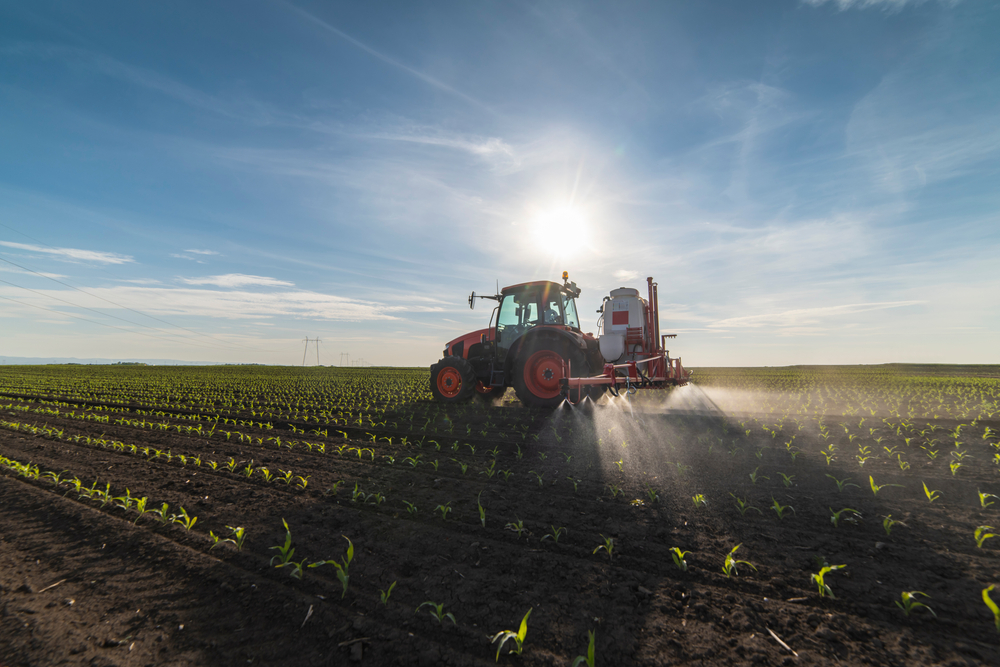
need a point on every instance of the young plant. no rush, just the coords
(437, 612)
(384, 595)
(983, 498)
(744, 505)
(183, 519)
(780, 509)
(556, 533)
(482, 510)
(730, 563)
(608, 546)
(239, 536)
(342, 566)
(835, 516)
(678, 556)
(444, 509)
(754, 476)
(589, 658)
(908, 602)
(821, 586)
(981, 535)
(843, 483)
(410, 507)
(888, 523)
(285, 552)
(504, 635)
(699, 500)
(876, 488)
(517, 527)
(931, 495)
(786, 479)
(992, 605)
(650, 493)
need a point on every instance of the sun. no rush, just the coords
(560, 230)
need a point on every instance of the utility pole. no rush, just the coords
(345, 355)
(306, 349)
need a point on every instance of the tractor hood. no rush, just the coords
(460, 346)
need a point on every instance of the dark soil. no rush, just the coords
(83, 583)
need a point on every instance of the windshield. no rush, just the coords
(569, 312)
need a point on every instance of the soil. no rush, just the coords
(86, 583)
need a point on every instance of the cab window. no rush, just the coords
(569, 312)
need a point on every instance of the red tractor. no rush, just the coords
(536, 346)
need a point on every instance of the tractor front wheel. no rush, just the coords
(539, 370)
(452, 380)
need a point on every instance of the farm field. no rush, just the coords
(305, 516)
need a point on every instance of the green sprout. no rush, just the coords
(992, 605)
(342, 566)
(482, 510)
(444, 509)
(556, 533)
(410, 507)
(786, 479)
(384, 595)
(754, 476)
(504, 635)
(437, 612)
(835, 516)
(589, 658)
(983, 496)
(931, 495)
(744, 505)
(183, 519)
(888, 523)
(699, 500)
(517, 527)
(843, 483)
(608, 546)
(876, 488)
(678, 556)
(239, 535)
(981, 535)
(780, 509)
(821, 586)
(909, 602)
(730, 563)
(285, 552)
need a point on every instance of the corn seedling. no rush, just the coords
(342, 566)
(517, 527)
(835, 516)
(754, 476)
(744, 505)
(983, 498)
(888, 523)
(384, 595)
(786, 479)
(239, 536)
(482, 510)
(780, 509)
(437, 612)
(876, 487)
(504, 635)
(183, 519)
(730, 562)
(608, 546)
(909, 603)
(931, 495)
(822, 587)
(556, 533)
(538, 476)
(444, 509)
(678, 556)
(285, 552)
(650, 493)
(699, 500)
(410, 507)
(992, 605)
(589, 658)
(981, 535)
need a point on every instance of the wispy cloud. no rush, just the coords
(202, 252)
(72, 253)
(802, 317)
(237, 280)
(11, 269)
(887, 5)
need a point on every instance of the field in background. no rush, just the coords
(125, 486)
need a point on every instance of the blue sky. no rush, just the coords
(809, 182)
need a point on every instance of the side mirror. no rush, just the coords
(472, 301)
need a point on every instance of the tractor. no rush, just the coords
(536, 346)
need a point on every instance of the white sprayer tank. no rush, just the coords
(622, 311)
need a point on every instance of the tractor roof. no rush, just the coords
(535, 286)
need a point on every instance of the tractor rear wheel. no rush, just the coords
(539, 370)
(452, 380)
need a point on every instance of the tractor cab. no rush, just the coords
(528, 305)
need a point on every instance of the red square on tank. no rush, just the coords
(619, 317)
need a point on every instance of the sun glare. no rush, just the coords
(560, 230)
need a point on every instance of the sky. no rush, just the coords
(808, 181)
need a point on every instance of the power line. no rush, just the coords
(306, 349)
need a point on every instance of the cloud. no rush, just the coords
(73, 253)
(237, 280)
(202, 252)
(887, 5)
(626, 275)
(9, 269)
(805, 317)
